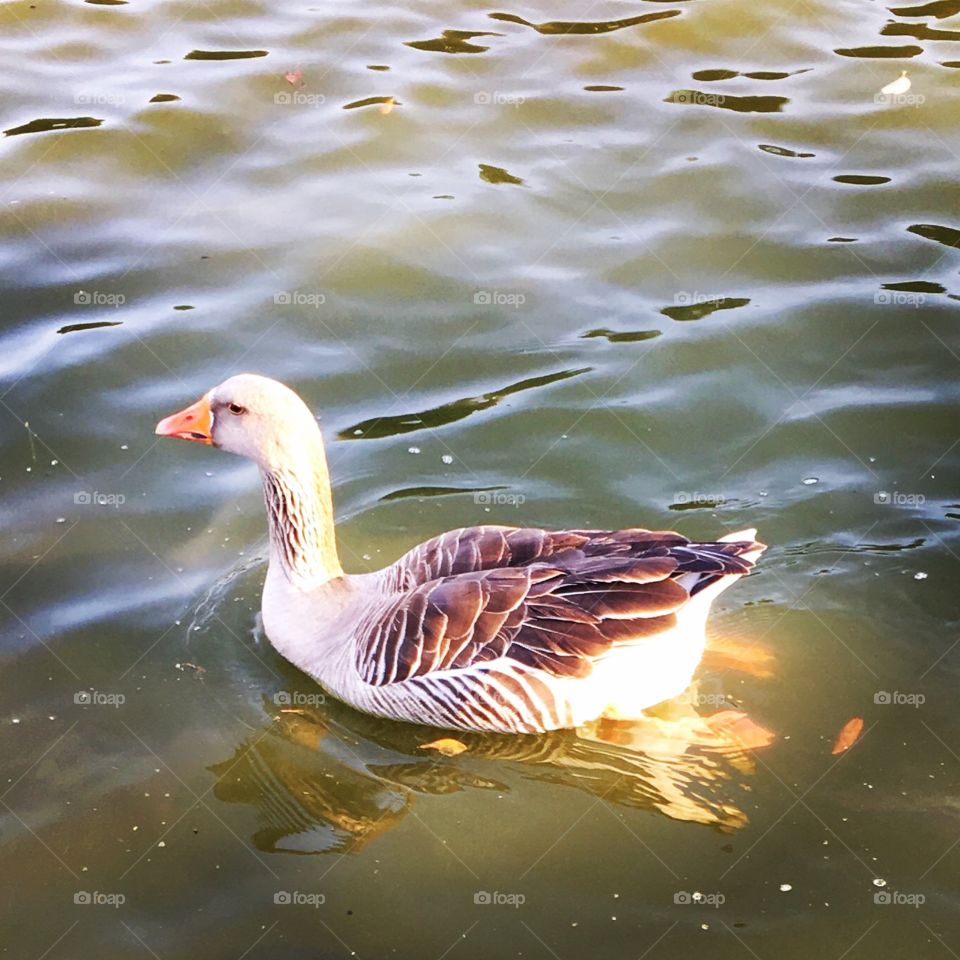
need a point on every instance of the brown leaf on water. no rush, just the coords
(848, 736)
(446, 746)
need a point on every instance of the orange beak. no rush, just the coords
(194, 423)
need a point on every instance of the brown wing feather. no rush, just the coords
(551, 600)
(472, 549)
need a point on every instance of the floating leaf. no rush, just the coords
(848, 736)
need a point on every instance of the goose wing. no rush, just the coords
(556, 601)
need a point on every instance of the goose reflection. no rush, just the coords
(326, 779)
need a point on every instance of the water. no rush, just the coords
(667, 264)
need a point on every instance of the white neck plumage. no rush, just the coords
(300, 514)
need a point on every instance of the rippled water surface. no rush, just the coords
(574, 264)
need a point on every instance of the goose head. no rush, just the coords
(249, 415)
(266, 422)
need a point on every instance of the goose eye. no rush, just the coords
(236, 409)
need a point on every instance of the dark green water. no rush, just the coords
(613, 264)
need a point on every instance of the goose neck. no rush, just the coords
(300, 515)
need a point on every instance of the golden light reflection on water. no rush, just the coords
(332, 787)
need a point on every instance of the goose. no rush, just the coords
(489, 628)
